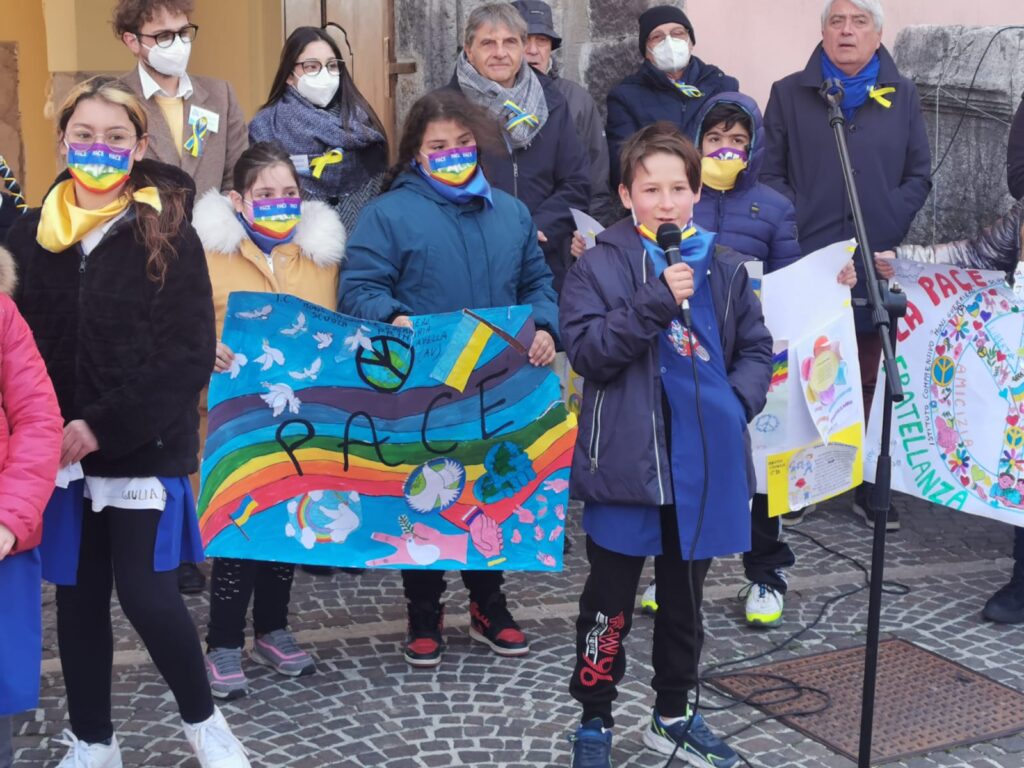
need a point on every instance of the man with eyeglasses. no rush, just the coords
(671, 84)
(195, 123)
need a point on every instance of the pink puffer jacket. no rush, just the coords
(31, 427)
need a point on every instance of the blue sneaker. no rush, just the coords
(697, 746)
(592, 745)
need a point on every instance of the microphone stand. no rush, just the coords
(887, 304)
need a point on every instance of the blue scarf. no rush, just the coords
(856, 86)
(264, 243)
(476, 187)
(695, 250)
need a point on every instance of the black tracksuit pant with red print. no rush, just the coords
(606, 615)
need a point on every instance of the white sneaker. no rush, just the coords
(83, 755)
(764, 606)
(214, 744)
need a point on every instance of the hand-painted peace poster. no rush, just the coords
(808, 440)
(958, 436)
(336, 441)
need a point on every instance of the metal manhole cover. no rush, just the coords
(923, 702)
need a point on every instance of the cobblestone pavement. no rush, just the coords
(365, 707)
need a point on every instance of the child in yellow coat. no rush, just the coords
(261, 236)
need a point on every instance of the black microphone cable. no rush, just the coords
(691, 583)
(967, 98)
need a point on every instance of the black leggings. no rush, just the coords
(232, 584)
(606, 616)
(117, 548)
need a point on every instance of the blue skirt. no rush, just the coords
(21, 632)
(177, 537)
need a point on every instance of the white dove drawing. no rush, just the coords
(440, 487)
(323, 339)
(343, 521)
(299, 326)
(279, 397)
(237, 362)
(270, 357)
(310, 373)
(257, 314)
(359, 339)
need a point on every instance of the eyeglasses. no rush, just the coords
(313, 66)
(114, 139)
(165, 38)
(677, 34)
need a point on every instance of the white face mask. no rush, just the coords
(319, 88)
(671, 55)
(172, 60)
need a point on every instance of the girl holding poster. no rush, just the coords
(442, 240)
(114, 286)
(261, 237)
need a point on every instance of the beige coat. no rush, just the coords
(212, 169)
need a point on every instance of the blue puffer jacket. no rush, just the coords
(415, 253)
(613, 309)
(648, 96)
(751, 218)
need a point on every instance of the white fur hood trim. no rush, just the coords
(320, 234)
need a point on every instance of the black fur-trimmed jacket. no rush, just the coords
(126, 355)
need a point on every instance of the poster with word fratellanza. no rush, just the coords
(958, 436)
(336, 441)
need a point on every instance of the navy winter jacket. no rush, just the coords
(888, 148)
(415, 253)
(751, 218)
(550, 175)
(613, 309)
(648, 95)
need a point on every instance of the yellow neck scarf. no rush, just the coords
(62, 223)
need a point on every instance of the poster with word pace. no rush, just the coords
(336, 441)
(958, 436)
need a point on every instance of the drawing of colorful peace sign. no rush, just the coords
(386, 365)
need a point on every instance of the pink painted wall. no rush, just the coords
(761, 42)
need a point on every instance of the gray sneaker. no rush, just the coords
(279, 651)
(224, 668)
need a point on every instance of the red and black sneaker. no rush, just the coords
(493, 625)
(424, 643)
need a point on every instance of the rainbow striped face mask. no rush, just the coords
(98, 167)
(277, 217)
(453, 167)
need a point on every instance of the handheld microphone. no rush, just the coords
(669, 237)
